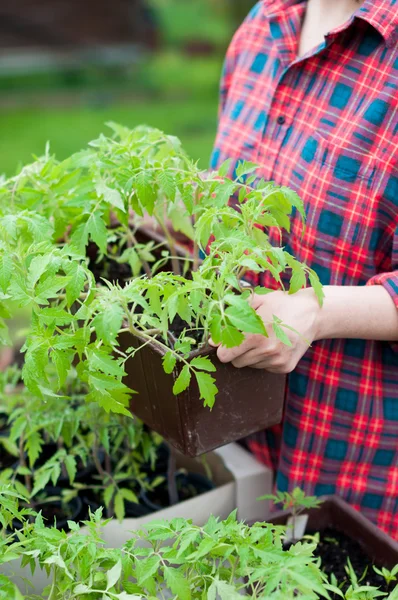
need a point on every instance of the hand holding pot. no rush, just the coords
(299, 311)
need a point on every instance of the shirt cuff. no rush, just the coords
(390, 283)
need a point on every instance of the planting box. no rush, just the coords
(248, 400)
(335, 513)
(239, 481)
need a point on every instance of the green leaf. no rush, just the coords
(224, 168)
(216, 328)
(129, 495)
(178, 583)
(74, 288)
(33, 446)
(108, 495)
(207, 388)
(56, 315)
(71, 467)
(37, 267)
(119, 506)
(203, 363)
(110, 195)
(244, 168)
(245, 318)
(231, 337)
(145, 190)
(182, 381)
(109, 322)
(166, 181)
(99, 360)
(280, 333)
(169, 362)
(113, 575)
(146, 568)
(317, 286)
(49, 288)
(5, 271)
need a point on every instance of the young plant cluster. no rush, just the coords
(65, 448)
(57, 219)
(176, 559)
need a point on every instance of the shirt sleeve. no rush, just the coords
(234, 50)
(389, 279)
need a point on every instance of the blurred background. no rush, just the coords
(67, 67)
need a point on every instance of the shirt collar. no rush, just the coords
(383, 16)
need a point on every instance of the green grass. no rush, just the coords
(24, 132)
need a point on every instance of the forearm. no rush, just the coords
(363, 312)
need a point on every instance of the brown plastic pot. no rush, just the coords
(248, 401)
(337, 514)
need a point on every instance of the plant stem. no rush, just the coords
(175, 265)
(171, 478)
(196, 258)
(53, 590)
(132, 239)
(22, 462)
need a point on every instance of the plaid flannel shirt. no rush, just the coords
(326, 125)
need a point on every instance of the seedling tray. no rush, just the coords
(336, 514)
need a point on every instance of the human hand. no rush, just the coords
(299, 311)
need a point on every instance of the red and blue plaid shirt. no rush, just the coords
(326, 125)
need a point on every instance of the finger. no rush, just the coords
(273, 367)
(229, 354)
(213, 344)
(248, 359)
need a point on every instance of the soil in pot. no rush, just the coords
(54, 511)
(335, 549)
(189, 485)
(7, 461)
(83, 470)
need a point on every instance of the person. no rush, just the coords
(309, 93)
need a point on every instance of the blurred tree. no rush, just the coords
(240, 9)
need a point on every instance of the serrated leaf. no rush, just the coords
(49, 288)
(178, 583)
(203, 363)
(224, 168)
(167, 182)
(5, 271)
(71, 467)
(145, 190)
(146, 568)
(108, 323)
(110, 195)
(74, 288)
(56, 315)
(242, 316)
(119, 506)
(317, 286)
(37, 267)
(99, 360)
(108, 495)
(169, 362)
(182, 381)
(33, 446)
(231, 337)
(244, 168)
(207, 388)
(129, 495)
(113, 575)
(281, 334)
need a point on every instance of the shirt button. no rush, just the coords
(281, 120)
